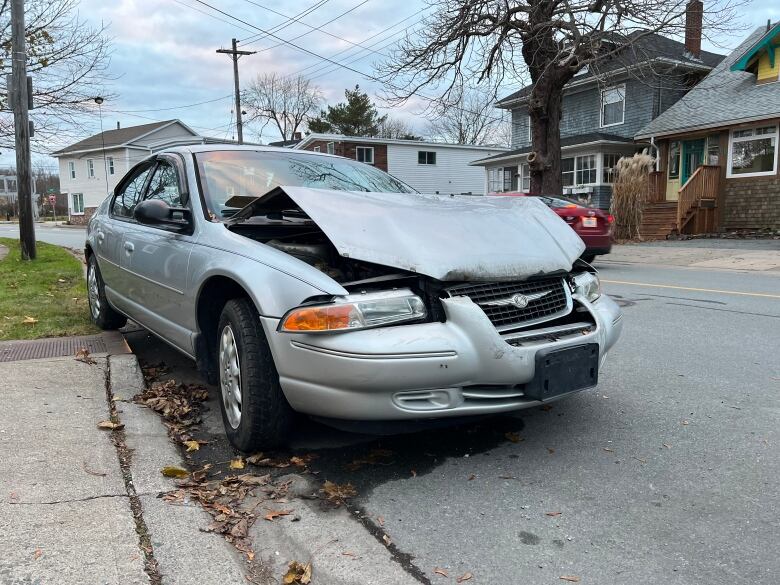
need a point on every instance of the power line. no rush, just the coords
(219, 99)
(289, 22)
(311, 28)
(211, 15)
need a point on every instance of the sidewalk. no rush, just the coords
(79, 505)
(750, 255)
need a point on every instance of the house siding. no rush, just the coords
(766, 73)
(751, 204)
(349, 150)
(451, 173)
(93, 188)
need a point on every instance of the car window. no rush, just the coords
(130, 194)
(165, 185)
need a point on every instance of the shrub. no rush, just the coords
(629, 194)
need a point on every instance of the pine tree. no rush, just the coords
(357, 116)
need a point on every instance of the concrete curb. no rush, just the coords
(185, 554)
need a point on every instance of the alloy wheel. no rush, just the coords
(230, 376)
(93, 292)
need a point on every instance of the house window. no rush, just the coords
(496, 180)
(77, 203)
(525, 178)
(713, 149)
(331, 147)
(72, 169)
(510, 179)
(426, 157)
(316, 149)
(753, 152)
(567, 172)
(674, 159)
(613, 105)
(586, 169)
(110, 165)
(608, 174)
(365, 154)
(90, 168)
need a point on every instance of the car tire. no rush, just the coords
(255, 412)
(100, 312)
(589, 258)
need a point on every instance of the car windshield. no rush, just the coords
(558, 202)
(231, 179)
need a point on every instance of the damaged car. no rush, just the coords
(302, 282)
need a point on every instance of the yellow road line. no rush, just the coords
(710, 290)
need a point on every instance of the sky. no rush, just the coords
(163, 54)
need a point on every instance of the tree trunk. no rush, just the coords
(544, 110)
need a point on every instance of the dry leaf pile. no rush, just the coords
(297, 573)
(178, 404)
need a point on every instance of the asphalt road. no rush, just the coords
(666, 473)
(70, 237)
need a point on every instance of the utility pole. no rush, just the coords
(235, 54)
(20, 96)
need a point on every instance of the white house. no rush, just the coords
(90, 169)
(429, 167)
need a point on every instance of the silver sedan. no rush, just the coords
(309, 283)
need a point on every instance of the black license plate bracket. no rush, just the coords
(559, 371)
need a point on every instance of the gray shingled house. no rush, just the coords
(604, 106)
(718, 164)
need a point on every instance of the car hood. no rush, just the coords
(450, 238)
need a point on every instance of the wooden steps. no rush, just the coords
(659, 220)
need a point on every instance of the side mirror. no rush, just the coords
(159, 213)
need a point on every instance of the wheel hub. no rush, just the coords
(230, 376)
(93, 292)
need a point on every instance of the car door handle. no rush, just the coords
(101, 236)
(129, 246)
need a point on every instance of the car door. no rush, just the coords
(155, 259)
(110, 231)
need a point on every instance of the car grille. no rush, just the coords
(556, 301)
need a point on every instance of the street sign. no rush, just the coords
(51, 190)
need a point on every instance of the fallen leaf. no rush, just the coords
(464, 577)
(237, 463)
(380, 520)
(552, 513)
(95, 473)
(108, 425)
(514, 437)
(387, 540)
(297, 573)
(37, 554)
(191, 446)
(667, 445)
(29, 320)
(551, 450)
(250, 555)
(253, 459)
(685, 423)
(272, 514)
(174, 471)
(347, 553)
(570, 578)
(472, 477)
(338, 492)
(441, 572)
(240, 529)
(608, 450)
(82, 355)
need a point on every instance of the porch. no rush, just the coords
(693, 212)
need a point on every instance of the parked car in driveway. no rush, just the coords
(305, 282)
(593, 225)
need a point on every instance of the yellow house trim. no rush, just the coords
(765, 71)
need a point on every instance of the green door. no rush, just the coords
(692, 158)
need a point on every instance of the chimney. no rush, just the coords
(694, 14)
(297, 136)
(117, 125)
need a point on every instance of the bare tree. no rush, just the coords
(549, 40)
(68, 61)
(286, 102)
(470, 118)
(396, 128)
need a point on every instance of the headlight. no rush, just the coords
(357, 311)
(587, 285)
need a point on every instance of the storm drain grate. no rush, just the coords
(12, 351)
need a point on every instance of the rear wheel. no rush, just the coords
(255, 412)
(100, 311)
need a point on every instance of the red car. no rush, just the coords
(593, 225)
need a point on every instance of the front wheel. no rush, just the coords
(101, 313)
(255, 412)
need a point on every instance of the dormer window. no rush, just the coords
(613, 106)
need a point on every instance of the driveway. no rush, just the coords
(666, 473)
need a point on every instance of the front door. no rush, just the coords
(692, 158)
(155, 260)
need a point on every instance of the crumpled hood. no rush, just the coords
(448, 238)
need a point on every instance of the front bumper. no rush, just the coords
(457, 368)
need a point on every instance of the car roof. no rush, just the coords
(198, 148)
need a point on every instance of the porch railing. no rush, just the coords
(657, 192)
(702, 184)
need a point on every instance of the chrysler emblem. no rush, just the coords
(520, 301)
